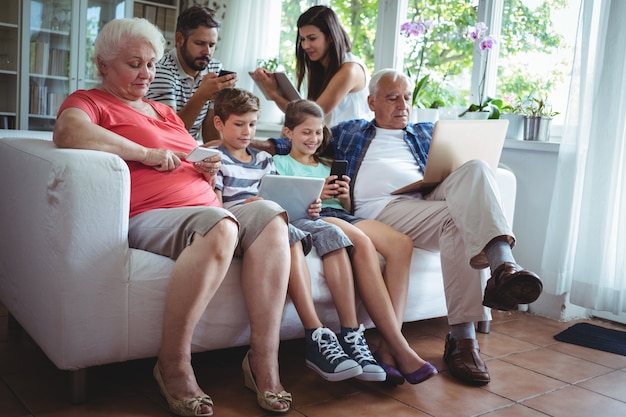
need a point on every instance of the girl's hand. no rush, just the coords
(315, 208)
(336, 188)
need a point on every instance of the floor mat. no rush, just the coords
(595, 337)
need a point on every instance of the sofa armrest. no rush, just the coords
(64, 222)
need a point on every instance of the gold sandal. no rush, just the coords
(188, 407)
(266, 399)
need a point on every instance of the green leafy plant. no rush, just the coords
(540, 107)
(416, 31)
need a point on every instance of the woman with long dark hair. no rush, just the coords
(326, 68)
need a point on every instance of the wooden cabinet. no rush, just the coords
(9, 64)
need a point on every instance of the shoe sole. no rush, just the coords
(372, 376)
(336, 376)
(522, 290)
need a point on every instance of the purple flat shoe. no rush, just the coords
(393, 375)
(426, 371)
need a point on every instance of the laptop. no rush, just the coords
(294, 194)
(456, 142)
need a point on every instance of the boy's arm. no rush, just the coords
(218, 193)
(273, 146)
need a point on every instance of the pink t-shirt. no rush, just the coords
(150, 189)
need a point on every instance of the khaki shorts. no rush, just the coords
(168, 231)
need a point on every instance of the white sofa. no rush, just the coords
(70, 280)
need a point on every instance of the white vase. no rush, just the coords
(516, 125)
(424, 115)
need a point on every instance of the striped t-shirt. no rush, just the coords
(238, 180)
(173, 87)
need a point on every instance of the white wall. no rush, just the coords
(534, 165)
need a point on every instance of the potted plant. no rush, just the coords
(538, 119)
(416, 31)
(514, 113)
(422, 111)
(487, 107)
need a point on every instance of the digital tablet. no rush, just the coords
(285, 87)
(294, 194)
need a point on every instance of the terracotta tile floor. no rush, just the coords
(532, 375)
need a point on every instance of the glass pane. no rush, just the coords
(536, 54)
(99, 12)
(50, 27)
(438, 49)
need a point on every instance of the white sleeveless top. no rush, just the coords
(354, 105)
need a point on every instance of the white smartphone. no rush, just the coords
(201, 153)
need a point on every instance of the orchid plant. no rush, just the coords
(485, 44)
(417, 31)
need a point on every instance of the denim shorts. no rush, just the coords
(326, 237)
(340, 214)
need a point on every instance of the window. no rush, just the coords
(536, 52)
(532, 59)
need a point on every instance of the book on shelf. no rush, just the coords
(58, 61)
(54, 102)
(150, 13)
(39, 56)
(38, 98)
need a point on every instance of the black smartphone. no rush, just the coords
(339, 169)
(225, 72)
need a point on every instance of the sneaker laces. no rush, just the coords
(328, 346)
(356, 340)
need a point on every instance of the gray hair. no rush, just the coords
(114, 37)
(388, 72)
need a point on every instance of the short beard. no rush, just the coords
(190, 61)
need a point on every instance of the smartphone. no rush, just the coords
(201, 153)
(225, 72)
(338, 168)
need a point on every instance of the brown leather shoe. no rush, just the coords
(464, 361)
(510, 285)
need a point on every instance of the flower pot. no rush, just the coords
(537, 128)
(516, 125)
(543, 130)
(424, 115)
(476, 115)
(531, 126)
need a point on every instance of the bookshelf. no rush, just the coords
(163, 13)
(9, 64)
(46, 51)
(56, 38)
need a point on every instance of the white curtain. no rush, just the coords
(585, 252)
(249, 33)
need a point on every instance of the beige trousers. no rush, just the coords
(457, 219)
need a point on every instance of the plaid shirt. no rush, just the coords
(351, 139)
